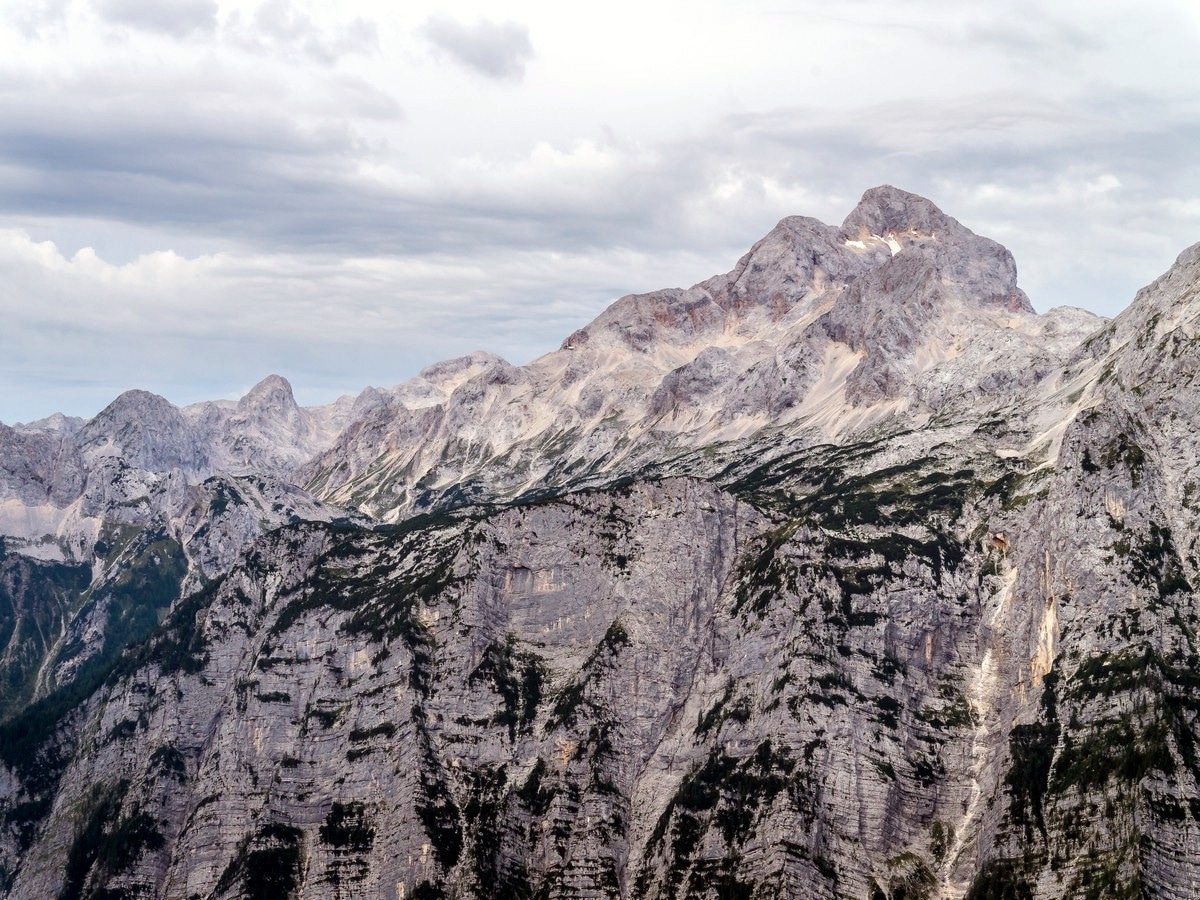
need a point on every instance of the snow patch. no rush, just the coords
(891, 242)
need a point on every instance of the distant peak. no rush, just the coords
(449, 368)
(270, 385)
(888, 210)
(137, 402)
(273, 392)
(57, 423)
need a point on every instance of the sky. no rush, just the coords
(197, 193)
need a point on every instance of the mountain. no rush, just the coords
(816, 334)
(843, 574)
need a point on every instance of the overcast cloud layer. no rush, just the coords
(195, 193)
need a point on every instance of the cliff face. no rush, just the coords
(928, 631)
(625, 691)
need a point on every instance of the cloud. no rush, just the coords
(177, 18)
(206, 327)
(277, 26)
(1035, 37)
(1064, 184)
(112, 145)
(32, 16)
(498, 50)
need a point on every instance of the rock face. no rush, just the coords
(143, 430)
(104, 522)
(841, 575)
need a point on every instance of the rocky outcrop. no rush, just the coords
(144, 431)
(36, 468)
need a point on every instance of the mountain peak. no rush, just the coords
(886, 210)
(451, 369)
(983, 269)
(136, 410)
(145, 429)
(272, 394)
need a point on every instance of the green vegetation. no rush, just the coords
(954, 710)
(224, 495)
(1119, 672)
(825, 484)
(169, 762)
(910, 879)
(892, 497)
(386, 729)
(269, 871)
(927, 768)
(536, 796)
(429, 890)
(572, 698)
(180, 644)
(148, 582)
(440, 817)
(763, 573)
(438, 812)
(1154, 563)
(861, 529)
(1031, 748)
(326, 718)
(106, 843)
(1126, 451)
(391, 572)
(1108, 876)
(889, 711)
(518, 677)
(350, 834)
(726, 793)
(482, 814)
(1001, 879)
(34, 597)
(348, 829)
(1124, 750)
(1068, 773)
(941, 840)
(722, 711)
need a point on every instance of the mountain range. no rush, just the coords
(842, 574)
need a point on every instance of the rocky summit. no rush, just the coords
(844, 574)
